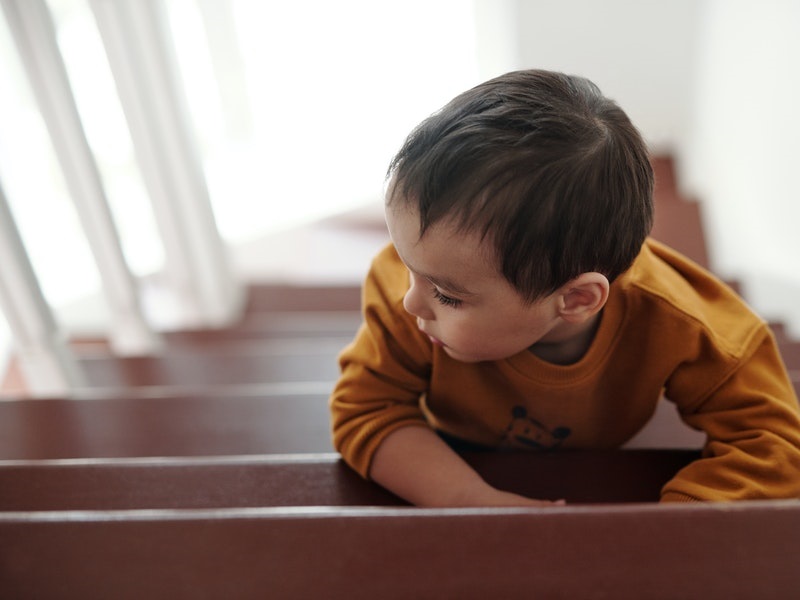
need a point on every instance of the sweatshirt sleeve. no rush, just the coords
(752, 423)
(384, 371)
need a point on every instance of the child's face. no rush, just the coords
(461, 300)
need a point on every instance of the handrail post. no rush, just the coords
(47, 365)
(226, 60)
(139, 47)
(35, 37)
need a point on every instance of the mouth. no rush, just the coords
(434, 340)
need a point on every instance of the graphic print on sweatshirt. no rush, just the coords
(526, 432)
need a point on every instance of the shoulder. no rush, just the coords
(664, 282)
(388, 329)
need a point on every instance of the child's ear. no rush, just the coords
(583, 297)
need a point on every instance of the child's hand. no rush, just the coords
(417, 465)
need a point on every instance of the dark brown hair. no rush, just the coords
(541, 164)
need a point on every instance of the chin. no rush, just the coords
(467, 358)
(455, 355)
(499, 354)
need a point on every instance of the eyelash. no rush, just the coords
(446, 300)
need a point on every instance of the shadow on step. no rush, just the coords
(318, 480)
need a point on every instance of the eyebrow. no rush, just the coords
(440, 282)
(447, 285)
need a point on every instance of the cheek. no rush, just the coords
(462, 331)
(493, 334)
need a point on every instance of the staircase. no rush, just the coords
(207, 471)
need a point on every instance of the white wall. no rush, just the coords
(640, 53)
(744, 154)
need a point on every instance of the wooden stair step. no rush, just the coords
(780, 332)
(297, 298)
(631, 551)
(790, 352)
(678, 221)
(664, 172)
(258, 419)
(276, 325)
(245, 420)
(679, 225)
(279, 327)
(196, 483)
(172, 425)
(598, 476)
(234, 363)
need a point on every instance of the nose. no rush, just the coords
(415, 302)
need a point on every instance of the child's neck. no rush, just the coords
(569, 344)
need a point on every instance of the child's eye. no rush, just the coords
(446, 300)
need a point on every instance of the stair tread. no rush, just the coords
(229, 364)
(318, 480)
(393, 552)
(664, 172)
(679, 225)
(172, 425)
(278, 297)
(790, 353)
(279, 325)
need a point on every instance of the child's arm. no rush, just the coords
(417, 465)
(753, 426)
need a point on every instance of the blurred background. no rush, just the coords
(294, 109)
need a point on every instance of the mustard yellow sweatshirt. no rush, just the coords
(669, 328)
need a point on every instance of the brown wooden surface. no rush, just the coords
(230, 364)
(664, 171)
(679, 225)
(276, 325)
(790, 352)
(214, 482)
(175, 425)
(746, 550)
(318, 480)
(290, 298)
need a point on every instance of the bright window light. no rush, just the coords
(297, 108)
